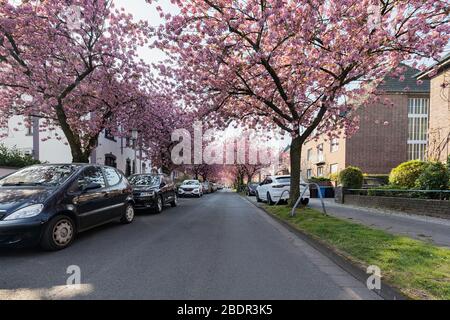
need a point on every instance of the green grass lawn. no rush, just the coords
(418, 269)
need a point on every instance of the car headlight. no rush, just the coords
(27, 212)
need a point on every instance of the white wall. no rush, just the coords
(118, 149)
(17, 135)
(56, 151)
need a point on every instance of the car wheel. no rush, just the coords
(258, 199)
(128, 215)
(159, 205)
(174, 203)
(304, 201)
(269, 199)
(58, 234)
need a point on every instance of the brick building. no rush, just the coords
(439, 131)
(388, 135)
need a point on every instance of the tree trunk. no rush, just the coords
(295, 155)
(83, 158)
(76, 148)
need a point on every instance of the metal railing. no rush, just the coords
(402, 193)
(303, 193)
(281, 196)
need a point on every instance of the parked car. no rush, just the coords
(272, 189)
(190, 188)
(207, 187)
(251, 189)
(153, 191)
(49, 204)
(215, 187)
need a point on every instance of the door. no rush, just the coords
(265, 188)
(164, 189)
(91, 204)
(170, 189)
(117, 196)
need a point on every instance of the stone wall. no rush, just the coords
(433, 208)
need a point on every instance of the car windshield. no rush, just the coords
(191, 183)
(49, 175)
(283, 180)
(144, 180)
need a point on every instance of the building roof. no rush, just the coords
(393, 84)
(442, 65)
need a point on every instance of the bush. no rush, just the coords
(406, 174)
(334, 177)
(434, 177)
(351, 178)
(14, 158)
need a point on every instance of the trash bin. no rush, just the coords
(323, 191)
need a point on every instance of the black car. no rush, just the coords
(251, 189)
(49, 204)
(153, 191)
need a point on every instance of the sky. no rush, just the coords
(141, 10)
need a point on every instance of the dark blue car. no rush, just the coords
(48, 205)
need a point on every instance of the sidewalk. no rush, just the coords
(423, 228)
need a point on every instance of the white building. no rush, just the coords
(112, 151)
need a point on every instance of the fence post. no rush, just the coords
(339, 195)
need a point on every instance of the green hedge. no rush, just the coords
(14, 158)
(351, 178)
(434, 177)
(406, 174)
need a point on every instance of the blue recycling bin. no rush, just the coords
(323, 191)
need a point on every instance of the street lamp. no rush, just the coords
(135, 136)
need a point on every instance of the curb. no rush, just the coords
(387, 292)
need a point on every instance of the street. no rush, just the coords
(217, 247)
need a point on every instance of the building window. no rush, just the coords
(334, 168)
(128, 142)
(128, 168)
(110, 160)
(320, 171)
(108, 135)
(320, 157)
(418, 110)
(309, 154)
(309, 173)
(334, 145)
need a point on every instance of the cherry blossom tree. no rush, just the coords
(296, 66)
(156, 116)
(72, 64)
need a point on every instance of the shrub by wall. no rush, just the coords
(434, 177)
(406, 174)
(351, 178)
(14, 158)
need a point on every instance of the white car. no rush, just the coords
(191, 188)
(273, 188)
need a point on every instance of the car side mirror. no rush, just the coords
(92, 186)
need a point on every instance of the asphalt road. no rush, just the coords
(217, 247)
